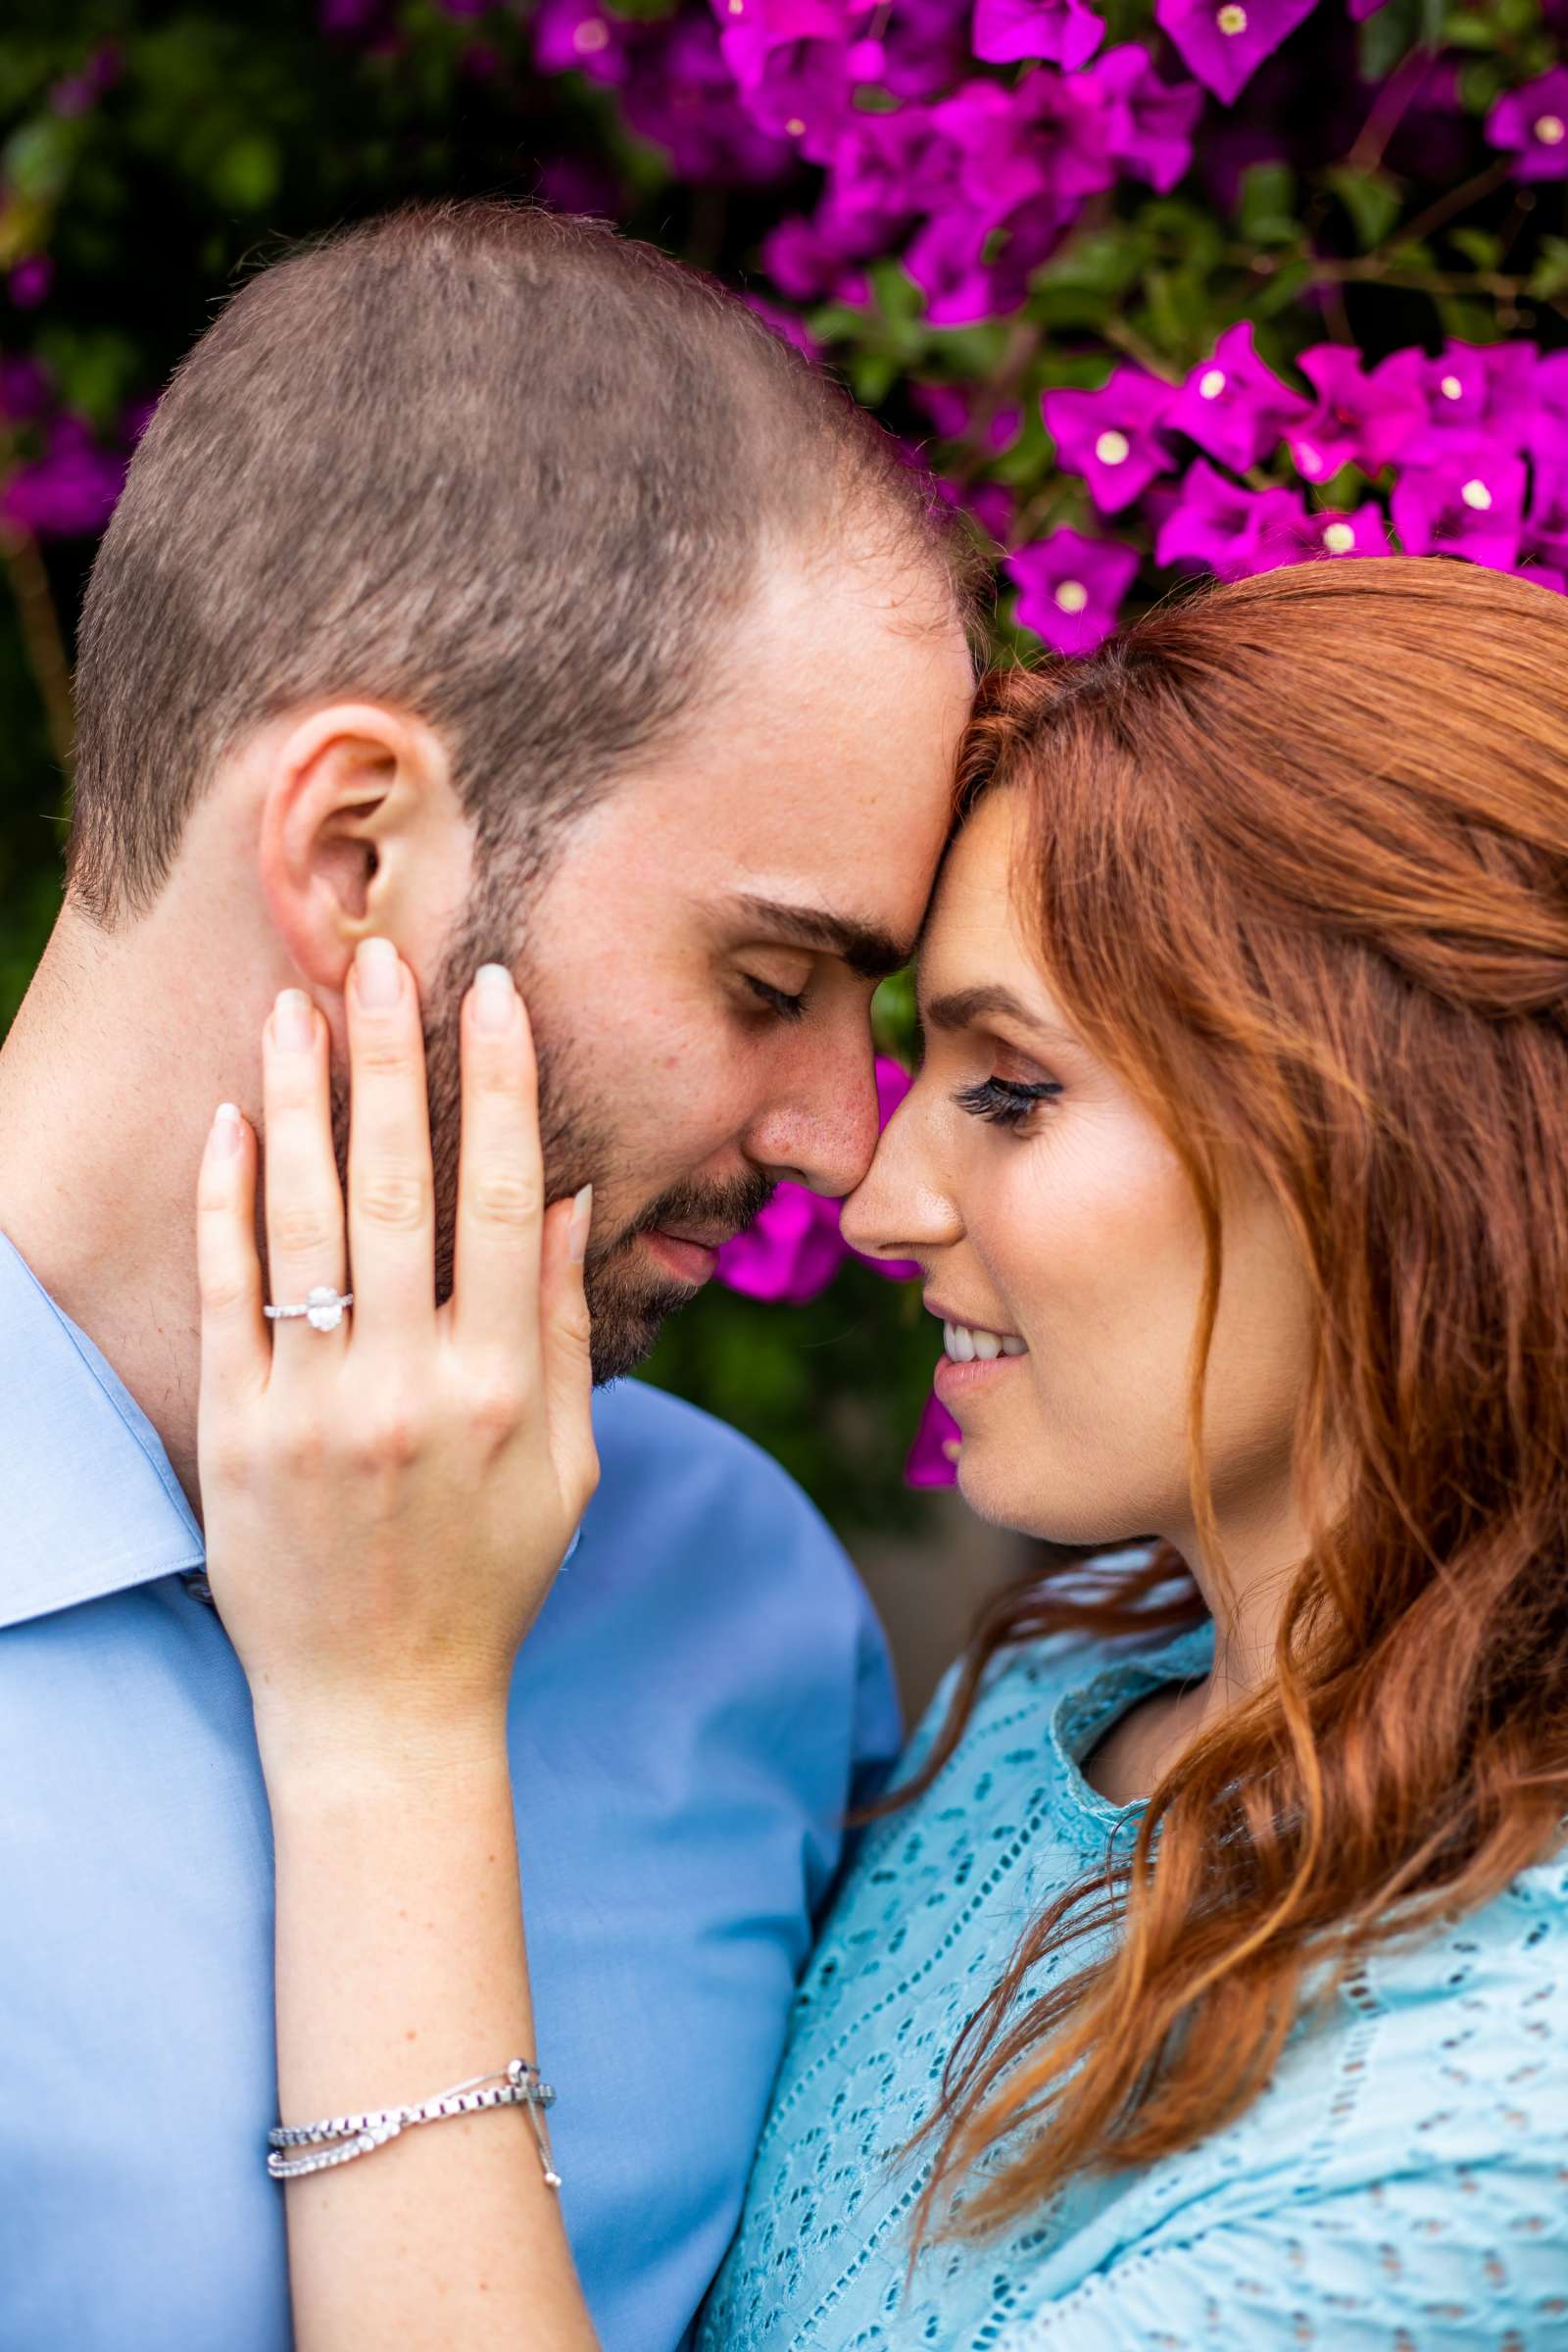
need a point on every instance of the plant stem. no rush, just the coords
(42, 642)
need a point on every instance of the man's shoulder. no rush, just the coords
(699, 1545)
(653, 1444)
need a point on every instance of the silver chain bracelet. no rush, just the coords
(517, 2085)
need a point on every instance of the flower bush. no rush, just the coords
(1158, 291)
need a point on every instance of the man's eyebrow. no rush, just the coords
(868, 950)
(966, 1006)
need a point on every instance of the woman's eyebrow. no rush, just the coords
(966, 1006)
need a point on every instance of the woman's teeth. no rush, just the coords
(967, 1346)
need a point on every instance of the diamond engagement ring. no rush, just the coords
(323, 1309)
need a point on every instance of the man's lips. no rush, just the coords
(690, 1256)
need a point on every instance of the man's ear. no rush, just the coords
(360, 832)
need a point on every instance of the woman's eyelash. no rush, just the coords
(788, 1008)
(1005, 1102)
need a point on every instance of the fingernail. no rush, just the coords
(377, 975)
(292, 1025)
(225, 1131)
(494, 998)
(583, 1216)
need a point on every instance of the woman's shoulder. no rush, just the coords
(1462, 2022)
(1061, 1679)
(1405, 2164)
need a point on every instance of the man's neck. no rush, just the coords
(107, 1080)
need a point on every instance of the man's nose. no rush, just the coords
(820, 1128)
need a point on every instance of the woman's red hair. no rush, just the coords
(1299, 874)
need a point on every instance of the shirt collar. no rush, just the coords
(90, 1502)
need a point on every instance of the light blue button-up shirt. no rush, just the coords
(702, 1688)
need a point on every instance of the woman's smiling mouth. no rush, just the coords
(972, 1354)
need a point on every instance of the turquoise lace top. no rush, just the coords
(1401, 2182)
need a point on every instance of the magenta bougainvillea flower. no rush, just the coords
(1222, 527)
(1474, 392)
(30, 282)
(1112, 437)
(886, 170)
(958, 411)
(682, 96)
(1547, 426)
(1149, 122)
(1361, 419)
(934, 1456)
(581, 34)
(1543, 541)
(1531, 124)
(1469, 503)
(1042, 140)
(1225, 41)
(807, 264)
(66, 492)
(1066, 33)
(1070, 588)
(1232, 406)
(1362, 531)
(797, 63)
(792, 1252)
(925, 47)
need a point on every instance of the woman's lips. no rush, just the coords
(688, 1261)
(955, 1381)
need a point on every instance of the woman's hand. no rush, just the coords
(386, 1503)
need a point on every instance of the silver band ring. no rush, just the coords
(323, 1308)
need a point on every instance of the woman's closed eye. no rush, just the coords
(1007, 1102)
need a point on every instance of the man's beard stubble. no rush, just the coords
(627, 1302)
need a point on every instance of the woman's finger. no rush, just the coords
(391, 1189)
(304, 1200)
(564, 1346)
(495, 1296)
(235, 1353)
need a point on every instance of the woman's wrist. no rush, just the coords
(317, 1757)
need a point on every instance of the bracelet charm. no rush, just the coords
(340, 2138)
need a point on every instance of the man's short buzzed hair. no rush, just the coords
(507, 470)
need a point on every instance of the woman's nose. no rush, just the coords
(902, 1208)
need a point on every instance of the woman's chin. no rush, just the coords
(987, 1480)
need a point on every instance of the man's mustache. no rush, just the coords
(703, 1208)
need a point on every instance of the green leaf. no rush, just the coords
(1482, 81)
(36, 158)
(1105, 262)
(97, 368)
(1387, 35)
(246, 175)
(873, 374)
(1372, 200)
(892, 1022)
(1281, 290)
(1478, 245)
(1265, 211)
(1467, 28)
(1549, 277)
(1468, 321)
(1196, 238)
(898, 296)
(971, 349)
